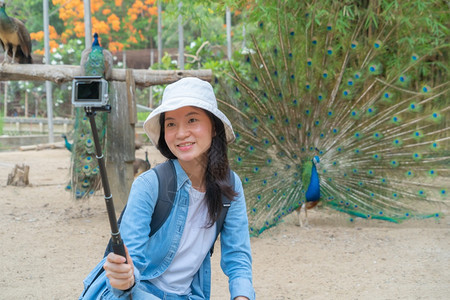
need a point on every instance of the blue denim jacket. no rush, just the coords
(152, 256)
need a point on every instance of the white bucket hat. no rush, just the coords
(189, 91)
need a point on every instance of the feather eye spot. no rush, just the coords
(354, 44)
(314, 41)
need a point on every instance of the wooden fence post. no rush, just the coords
(120, 144)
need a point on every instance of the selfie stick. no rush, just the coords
(117, 243)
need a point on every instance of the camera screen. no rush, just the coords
(88, 91)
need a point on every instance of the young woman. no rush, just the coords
(189, 129)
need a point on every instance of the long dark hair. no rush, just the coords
(217, 169)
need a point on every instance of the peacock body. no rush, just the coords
(355, 85)
(14, 38)
(85, 177)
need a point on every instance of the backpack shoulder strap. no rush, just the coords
(167, 182)
(226, 203)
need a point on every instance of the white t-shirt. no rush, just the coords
(195, 244)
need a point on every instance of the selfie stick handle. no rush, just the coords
(117, 243)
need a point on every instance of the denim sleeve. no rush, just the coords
(236, 260)
(135, 225)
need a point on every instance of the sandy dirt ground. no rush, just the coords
(50, 242)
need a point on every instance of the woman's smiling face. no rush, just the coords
(188, 133)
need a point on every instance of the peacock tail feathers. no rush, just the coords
(85, 173)
(362, 87)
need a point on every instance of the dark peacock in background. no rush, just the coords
(85, 177)
(360, 86)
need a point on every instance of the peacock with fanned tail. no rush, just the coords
(85, 177)
(360, 86)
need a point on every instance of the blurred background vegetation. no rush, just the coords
(128, 28)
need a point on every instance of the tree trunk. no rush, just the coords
(19, 176)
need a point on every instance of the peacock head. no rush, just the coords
(95, 43)
(316, 159)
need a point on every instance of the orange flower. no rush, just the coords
(132, 40)
(37, 36)
(153, 11)
(115, 46)
(114, 21)
(118, 2)
(101, 27)
(96, 5)
(106, 11)
(79, 29)
(53, 46)
(52, 33)
(39, 52)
